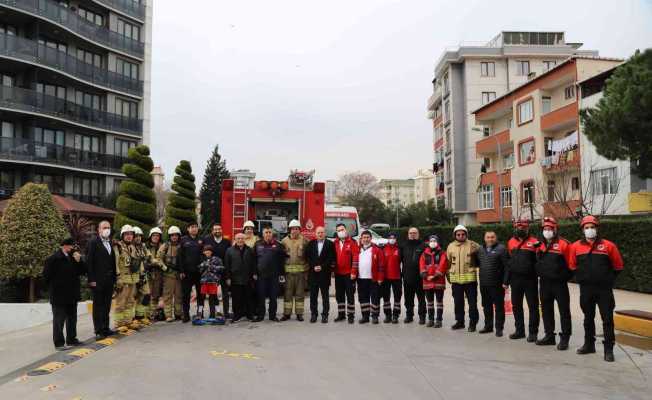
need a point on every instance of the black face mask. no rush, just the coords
(520, 233)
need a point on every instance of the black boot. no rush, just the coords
(499, 332)
(324, 319)
(430, 324)
(364, 319)
(285, 317)
(374, 320)
(517, 335)
(313, 318)
(300, 317)
(458, 325)
(351, 318)
(395, 319)
(587, 348)
(422, 319)
(486, 329)
(563, 342)
(340, 317)
(408, 319)
(388, 319)
(609, 352)
(438, 323)
(472, 326)
(532, 338)
(547, 340)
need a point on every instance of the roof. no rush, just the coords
(67, 206)
(599, 77)
(542, 76)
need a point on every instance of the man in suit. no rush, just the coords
(100, 261)
(320, 255)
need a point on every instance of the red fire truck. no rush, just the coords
(272, 203)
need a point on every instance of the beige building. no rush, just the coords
(396, 191)
(424, 186)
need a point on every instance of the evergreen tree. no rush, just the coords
(31, 230)
(180, 210)
(210, 194)
(136, 203)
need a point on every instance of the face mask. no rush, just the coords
(590, 233)
(392, 241)
(521, 233)
(106, 233)
(432, 245)
(341, 235)
(548, 234)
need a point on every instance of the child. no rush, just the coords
(433, 266)
(211, 270)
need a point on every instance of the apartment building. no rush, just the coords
(75, 93)
(424, 186)
(534, 158)
(397, 191)
(469, 76)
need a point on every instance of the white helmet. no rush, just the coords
(460, 228)
(154, 230)
(248, 224)
(294, 224)
(125, 229)
(174, 230)
(138, 231)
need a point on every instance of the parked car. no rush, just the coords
(375, 238)
(382, 229)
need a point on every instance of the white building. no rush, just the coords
(397, 191)
(424, 186)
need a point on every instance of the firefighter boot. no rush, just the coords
(547, 340)
(395, 315)
(609, 352)
(285, 317)
(340, 317)
(374, 319)
(563, 342)
(351, 318)
(365, 318)
(388, 319)
(431, 318)
(588, 347)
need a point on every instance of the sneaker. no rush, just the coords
(170, 319)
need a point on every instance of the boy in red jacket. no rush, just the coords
(392, 282)
(433, 267)
(369, 274)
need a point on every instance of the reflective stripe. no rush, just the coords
(463, 278)
(294, 268)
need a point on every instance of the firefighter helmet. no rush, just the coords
(138, 231)
(589, 219)
(248, 224)
(550, 222)
(174, 230)
(125, 229)
(294, 224)
(460, 228)
(154, 230)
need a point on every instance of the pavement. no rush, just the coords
(290, 360)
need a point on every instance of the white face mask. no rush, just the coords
(392, 241)
(548, 234)
(341, 234)
(433, 245)
(590, 233)
(106, 233)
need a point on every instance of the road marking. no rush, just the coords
(225, 353)
(47, 368)
(81, 353)
(128, 332)
(107, 341)
(48, 388)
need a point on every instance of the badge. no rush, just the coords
(555, 246)
(600, 247)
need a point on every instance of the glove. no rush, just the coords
(164, 268)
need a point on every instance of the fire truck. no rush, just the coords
(271, 203)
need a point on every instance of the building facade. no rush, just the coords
(396, 191)
(75, 92)
(468, 77)
(424, 186)
(536, 161)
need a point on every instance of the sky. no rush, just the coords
(334, 86)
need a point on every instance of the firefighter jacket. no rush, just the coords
(595, 263)
(377, 264)
(347, 252)
(295, 248)
(392, 255)
(433, 261)
(154, 262)
(523, 257)
(167, 253)
(462, 260)
(128, 264)
(552, 260)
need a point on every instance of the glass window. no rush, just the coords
(569, 92)
(522, 68)
(546, 104)
(127, 68)
(89, 57)
(129, 30)
(447, 107)
(121, 147)
(7, 80)
(551, 190)
(604, 181)
(526, 152)
(525, 111)
(7, 180)
(508, 161)
(51, 90)
(488, 97)
(125, 108)
(49, 136)
(8, 129)
(528, 192)
(506, 196)
(89, 100)
(448, 170)
(548, 65)
(91, 16)
(8, 29)
(486, 197)
(487, 69)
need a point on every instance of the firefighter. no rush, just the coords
(522, 278)
(433, 267)
(554, 273)
(347, 252)
(189, 256)
(596, 262)
(155, 274)
(128, 267)
(143, 297)
(410, 256)
(368, 275)
(250, 237)
(172, 292)
(295, 271)
(462, 258)
(392, 282)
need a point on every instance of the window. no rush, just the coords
(548, 65)
(56, 183)
(445, 84)
(87, 143)
(448, 140)
(126, 68)
(8, 130)
(528, 192)
(447, 114)
(525, 112)
(522, 68)
(86, 186)
(49, 136)
(448, 170)
(604, 181)
(486, 131)
(125, 108)
(569, 92)
(89, 57)
(486, 197)
(487, 163)
(487, 69)
(90, 16)
(526, 152)
(449, 197)
(506, 196)
(89, 100)
(7, 80)
(575, 183)
(121, 147)
(488, 97)
(8, 29)
(129, 30)
(508, 161)
(51, 44)
(551, 191)
(546, 104)
(7, 180)
(51, 90)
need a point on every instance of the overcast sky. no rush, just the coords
(334, 85)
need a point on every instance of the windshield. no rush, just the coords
(351, 225)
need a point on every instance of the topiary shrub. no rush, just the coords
(136, 203)
(180, 210)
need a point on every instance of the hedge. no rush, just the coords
(631, 237)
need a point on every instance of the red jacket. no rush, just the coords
(428, 266)
(595, 263)
(377, 265)
(347, 256)
(392, 255)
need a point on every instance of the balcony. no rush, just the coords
(433, 100)
(129, 7)
(28, 150)
(53, 12)
(562, 118)
(30, 101)
(565, 161)
(33, 52)
(491, 144)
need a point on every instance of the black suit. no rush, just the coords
(320, 281)
(101, 270)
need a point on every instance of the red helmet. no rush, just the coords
(521, 223)
(589, 219)
(550, 222)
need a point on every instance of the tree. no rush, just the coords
(210, 194)
(136, 204)
(180, 210)
(31, 230)
(370, 209)
(620, 126)
(355, 185)
(110, 200)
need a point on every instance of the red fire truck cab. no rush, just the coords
(272, 203)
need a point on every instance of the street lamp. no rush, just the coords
(499, 172)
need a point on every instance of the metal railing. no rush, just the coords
(28, 150)
(16, 98)
(129, 7)
(31, 51)
(52, 11)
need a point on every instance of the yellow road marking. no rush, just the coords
(107, 341)
(225, 353)
(128, 332)
(48, 388)
(81, 352)
(51, 366)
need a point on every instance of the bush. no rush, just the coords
(180, 210)
(630, 236)
(136, 203)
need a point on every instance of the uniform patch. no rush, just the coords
(601, 247)
(555, 246)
